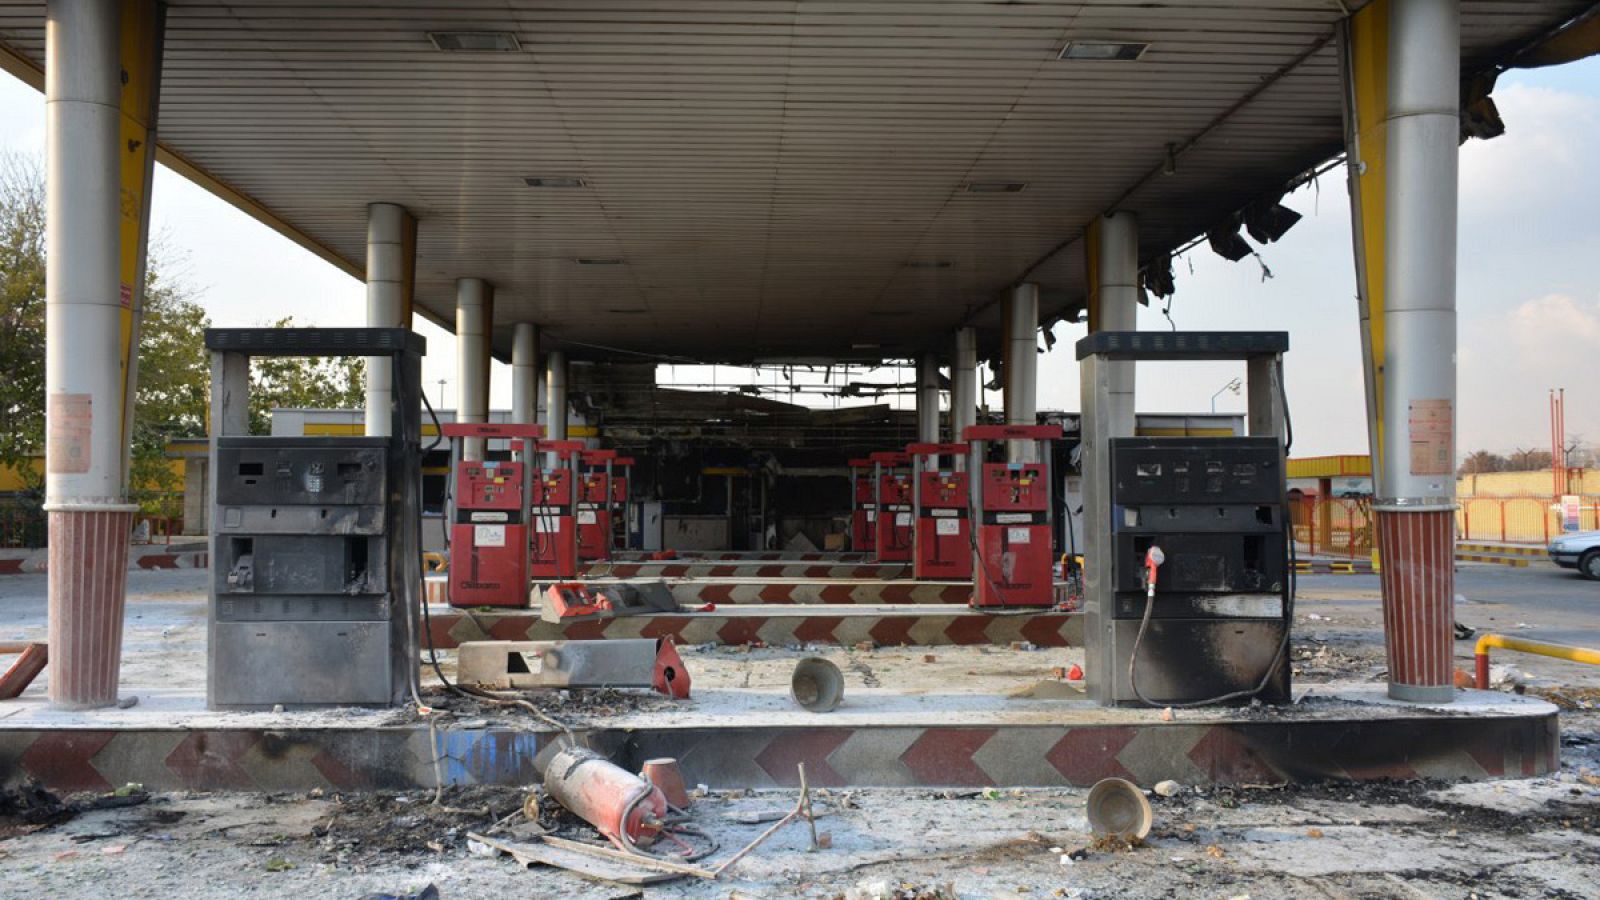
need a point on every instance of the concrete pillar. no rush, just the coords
(387, 277)
(474, 317)
(555, 384)
(963, 386)
(1022, 365)
(1118, 295)
(525, 373)
(87, 397)
(1415, 497)
(928, 398)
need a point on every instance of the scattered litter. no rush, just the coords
(278, 864)
(1215, 852)
(478, 848)
(1313, 832)
(114, 849)
(929, 657)
(1024, 645)
(1167, 788)
(1166, 714)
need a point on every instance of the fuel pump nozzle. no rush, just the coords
(1153, 558)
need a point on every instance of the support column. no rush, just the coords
(1022, 365)
(963, 386)
(555, 385)
(525, 374)
(1403, 130)
(391, 268)
(102, 72)
(928, 398)
(1118, 302)
(474, 315)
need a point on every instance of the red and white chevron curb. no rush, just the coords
(1283, 749)
(857, 571)
(450, 627)
(824, 556)
(34, 562)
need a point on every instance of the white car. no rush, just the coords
(1579, 551)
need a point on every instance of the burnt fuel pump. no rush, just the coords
(940, 502)
(622, 510)
(552, 511)
(863, 507)
(891, 483)
(488, 516)
(1013, 554)
(1189, 570)
(595, 486)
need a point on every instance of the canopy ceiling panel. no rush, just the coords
(761, 179)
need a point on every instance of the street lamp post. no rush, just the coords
(1233, 385)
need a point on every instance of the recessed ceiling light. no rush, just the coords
(1119, 51)
(474, 41)
(555, 181)
(598, 261)
(929, 264)
(994, 187)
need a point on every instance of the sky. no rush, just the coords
(1528, 284)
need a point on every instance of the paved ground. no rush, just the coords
(1537, 838)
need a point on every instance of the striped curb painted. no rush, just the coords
(1531, 550)
(858, 571)
(822, 556)
(450, 627)
(36, 562)
(1256, 751)
(1334, 567)
(796, 592)
(1515, 562)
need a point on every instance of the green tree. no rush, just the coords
(174, 376)
(298, 382)
(21, 314)
(174, 387)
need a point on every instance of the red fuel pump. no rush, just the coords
(940, 500)
(621, 501)
(489, 517)
(553, 507)
(1014, 557)
(892, 481)
(594, 503)
(863, 507)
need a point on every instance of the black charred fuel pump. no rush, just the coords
(315, 541)
(1189, 568)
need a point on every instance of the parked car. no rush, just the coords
(1579, 551)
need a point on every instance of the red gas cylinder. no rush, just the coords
(628, 810)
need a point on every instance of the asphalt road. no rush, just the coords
(1540, 602)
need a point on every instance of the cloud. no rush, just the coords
(1516, 357)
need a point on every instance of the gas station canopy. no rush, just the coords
(735, 179)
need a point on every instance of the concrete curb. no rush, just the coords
(34, 562)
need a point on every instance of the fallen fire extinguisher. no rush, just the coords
(627, 809)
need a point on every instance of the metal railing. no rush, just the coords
(1333, 526)
(1520, 520)
(22, 524)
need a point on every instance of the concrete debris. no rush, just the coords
(1167, 788)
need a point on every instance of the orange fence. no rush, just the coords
(1519, 520)
(1335, 526)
